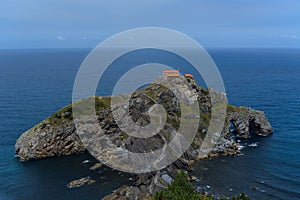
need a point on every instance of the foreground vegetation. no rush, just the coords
(181, 189)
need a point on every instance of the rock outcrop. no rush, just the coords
(80, 182)
(247, 121)
(56, 135)
(49, 138)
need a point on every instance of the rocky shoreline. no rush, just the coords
(56, 135)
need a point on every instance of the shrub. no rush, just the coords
(181, 189)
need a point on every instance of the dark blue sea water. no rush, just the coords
(35, 83)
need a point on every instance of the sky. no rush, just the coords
(212, 23)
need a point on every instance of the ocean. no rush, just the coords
(36, 83)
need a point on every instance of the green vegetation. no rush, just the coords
(65, 114)
(241, 109)
(181, 189)
(195, 145)
(231, 108)
(205, 119)
(102, 102)
(123, 136)
(166, 135)
(203, 91)
(173, 121)
(154, 89)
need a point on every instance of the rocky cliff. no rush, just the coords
(57, 136)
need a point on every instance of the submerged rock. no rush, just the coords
(96, 166)
(80, 182)
(254, 188)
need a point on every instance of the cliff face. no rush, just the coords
(46, 140)
(247, 121)
(57, 136)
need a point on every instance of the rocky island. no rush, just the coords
(57, 136)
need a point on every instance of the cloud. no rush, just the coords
(60, 37)
(289, 36)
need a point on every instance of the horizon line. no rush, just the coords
(207, 47)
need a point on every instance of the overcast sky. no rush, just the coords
(85, 23)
